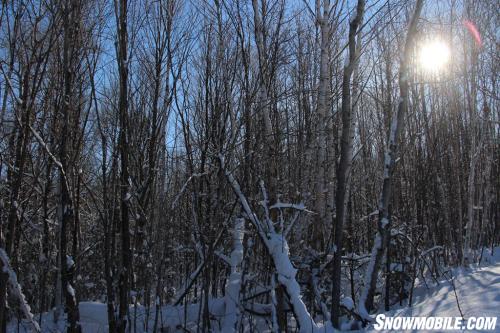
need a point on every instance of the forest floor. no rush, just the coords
(477, 289)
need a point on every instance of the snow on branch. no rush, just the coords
(11, 87)
(49, 153)
(278, 249)
(16, 290)
(183, 189)
(35, 133)
(281, 205)
(317, 294)
(191, 279)
(225, 259)
(432, 249)
(243, 200)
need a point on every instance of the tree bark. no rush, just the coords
(126, 253)
(66, 208)
(344, 168)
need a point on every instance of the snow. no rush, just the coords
(184, 187)
(94, 318)
(89, 285)
(278, 250)
(71, 291)
(281, 205)
(46, 148)
(371, 265)
(70, 262)
(233, 284)
(16, 291)
(180, 295)
(396, 267)
(478, 291)
(348, 303)
(375, 212)
(432, 249)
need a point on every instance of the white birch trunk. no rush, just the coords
(322, 127)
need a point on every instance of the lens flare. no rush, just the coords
(474, 31)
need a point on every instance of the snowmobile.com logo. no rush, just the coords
(383, 322)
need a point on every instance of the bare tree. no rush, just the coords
(216, 165)
(344, 168)
(384, 225)
(125, 193)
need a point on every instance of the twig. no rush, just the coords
(450, 279)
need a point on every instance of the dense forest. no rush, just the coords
(250, 165)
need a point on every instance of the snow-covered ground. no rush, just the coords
(94, 318)
(477, 288)
(478, 293)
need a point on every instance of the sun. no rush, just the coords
(434, 55)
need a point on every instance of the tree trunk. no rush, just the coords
(344, 169)
(15, 177)
(320, 190)
(126, 254)
(66, 210)
(397, 124)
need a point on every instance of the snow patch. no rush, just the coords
(348, 303)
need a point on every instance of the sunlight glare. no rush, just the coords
(434, 55)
